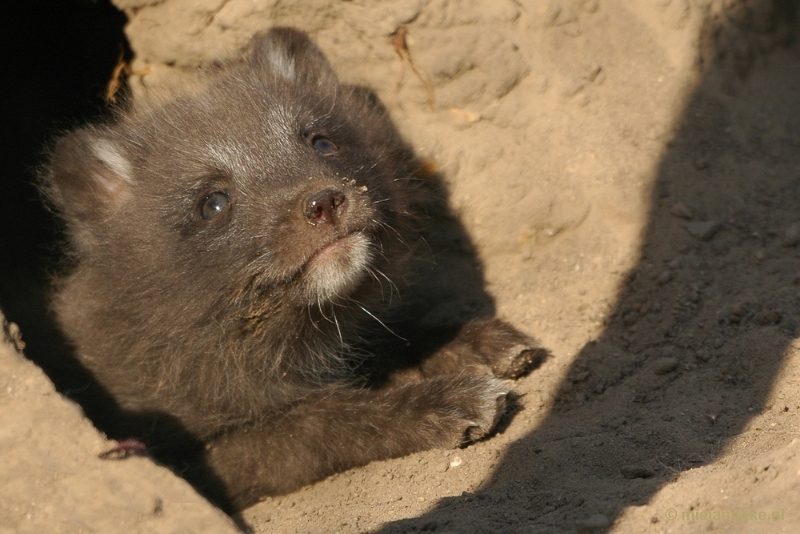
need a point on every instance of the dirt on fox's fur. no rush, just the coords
(629, 173)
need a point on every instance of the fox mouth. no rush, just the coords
(338, 267)
(327, 251)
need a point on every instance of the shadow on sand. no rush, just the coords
(702, 323)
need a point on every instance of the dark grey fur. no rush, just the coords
(261, 327)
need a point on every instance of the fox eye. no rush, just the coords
(214, 204)
(323, 145)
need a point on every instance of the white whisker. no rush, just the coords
(381, 323)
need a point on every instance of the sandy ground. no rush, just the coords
(630, 173)
(51, 479)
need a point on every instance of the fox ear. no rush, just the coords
(289, 54)
(89, 176)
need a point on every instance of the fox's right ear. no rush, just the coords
(290, 55)
(89, 176)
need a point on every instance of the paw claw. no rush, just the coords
(491, 409)
(520, 359)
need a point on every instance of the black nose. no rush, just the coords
(325, 207)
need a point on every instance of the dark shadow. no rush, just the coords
(57, 60)
(702, 323)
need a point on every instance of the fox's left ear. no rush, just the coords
(289, 54)
(90, 175)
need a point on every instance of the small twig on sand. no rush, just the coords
(401, 47)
